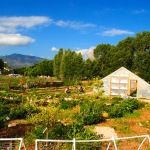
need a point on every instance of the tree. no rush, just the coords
(77, 63)
(57, 62)
(1, 64)
(142, 55)
(66, 71)
(47, 119)
(88, 68)
(125, 51)
(96, 71)
(45, 67)
(101, 54)
(69, 66)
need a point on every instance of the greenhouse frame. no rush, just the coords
(123, 82)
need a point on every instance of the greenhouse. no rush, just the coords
(123, 82)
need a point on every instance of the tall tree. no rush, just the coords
(45, 67)
(142, 55)
(77, 65)
(66, 65)
(101, 53)
(88, 68)
(57, 62)
(71, 65)
(125, 51)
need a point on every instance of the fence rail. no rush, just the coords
(50, 144)
(111, 142)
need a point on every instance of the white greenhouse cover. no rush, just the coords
(124, 75)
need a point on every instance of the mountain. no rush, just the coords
(19, 60)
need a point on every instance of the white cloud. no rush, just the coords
(11, 24)
(54, 49)
(87, 53)
(9, 27)
(15, 40)
(74, 24)
(114, 32)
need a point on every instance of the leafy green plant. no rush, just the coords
(22, 111)
(98, 88)
(135, 114)
(126, 107)
(90, 112)
(66, 104)
(115, 111)
(2, 122)
(4, 110)
(116, 100)
(78, 131)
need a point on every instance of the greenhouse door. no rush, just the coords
(133, 88)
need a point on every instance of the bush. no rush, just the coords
(116, 100)
(119, 110)
(22, 111)
(115, 111)
(66, 104)
(4, 110)
(2, 121)
(90, 112)
(18, 113)
(78, 131)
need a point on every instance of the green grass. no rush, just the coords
(145, 124)
(135, 114)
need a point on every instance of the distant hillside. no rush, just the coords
(19, 60)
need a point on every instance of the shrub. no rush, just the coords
(18, 113)
(116, 100)
(90, 112)
(66, 104)
(78, 131)
(22, 111)
(115, 111)
(127, 106)
(4, 110)
(2, 121)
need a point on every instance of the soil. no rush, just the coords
(136, 126)
(14, 131)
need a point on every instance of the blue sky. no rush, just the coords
(41, 27)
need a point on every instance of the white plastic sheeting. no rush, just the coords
(124, 77)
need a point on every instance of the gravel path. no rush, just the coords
(105, 132)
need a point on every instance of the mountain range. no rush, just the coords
(19, 60)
